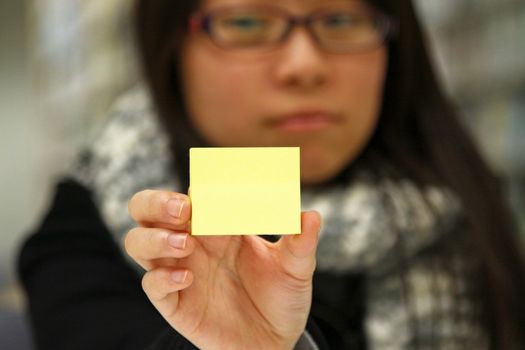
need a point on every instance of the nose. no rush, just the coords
(301, 63)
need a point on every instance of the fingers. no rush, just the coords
(161, 208)
(169, 213)
(147, 244)
(297, 252)
(162, 285)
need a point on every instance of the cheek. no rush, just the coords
(359, 90)
(362, 79)
(207, 86)
(364, 83)
(218, 96)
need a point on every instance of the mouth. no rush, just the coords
(305, 121)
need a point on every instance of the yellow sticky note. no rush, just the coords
(245, 191)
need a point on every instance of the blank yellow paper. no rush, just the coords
(245, 191)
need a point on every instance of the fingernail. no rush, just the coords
(174, 207)
(177, 240)
(179, 276)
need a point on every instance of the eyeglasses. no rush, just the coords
(343, 29)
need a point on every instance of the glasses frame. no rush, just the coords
(201, 22)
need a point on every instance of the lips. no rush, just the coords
(305, 121)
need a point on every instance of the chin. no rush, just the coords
(318, 176)
(323, 170)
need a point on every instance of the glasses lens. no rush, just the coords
(346, 29)
(247, 28)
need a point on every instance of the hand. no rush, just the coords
(222, 292)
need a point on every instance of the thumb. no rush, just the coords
(297, 252)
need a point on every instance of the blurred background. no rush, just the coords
(62, 63)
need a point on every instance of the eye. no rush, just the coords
(339, 20)
(245, 22)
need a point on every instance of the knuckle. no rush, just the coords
(156, 204)
(149, 284)
(155, 285)
(146, 282)
(138, 196)
(143, 204)
(129, 240)
(131, 205)
(151, 202)
(155, 241)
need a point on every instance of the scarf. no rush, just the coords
(375, 224)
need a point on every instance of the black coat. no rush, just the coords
(83, 294)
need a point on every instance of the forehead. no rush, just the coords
(300, 5)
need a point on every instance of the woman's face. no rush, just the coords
(297, 94)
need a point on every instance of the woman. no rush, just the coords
(416, 250)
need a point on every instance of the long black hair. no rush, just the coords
(419, 131)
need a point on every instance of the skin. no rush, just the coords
(236, 292)
(241, 292)
(245, 93)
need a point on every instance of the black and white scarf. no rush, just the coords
(373, 224)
